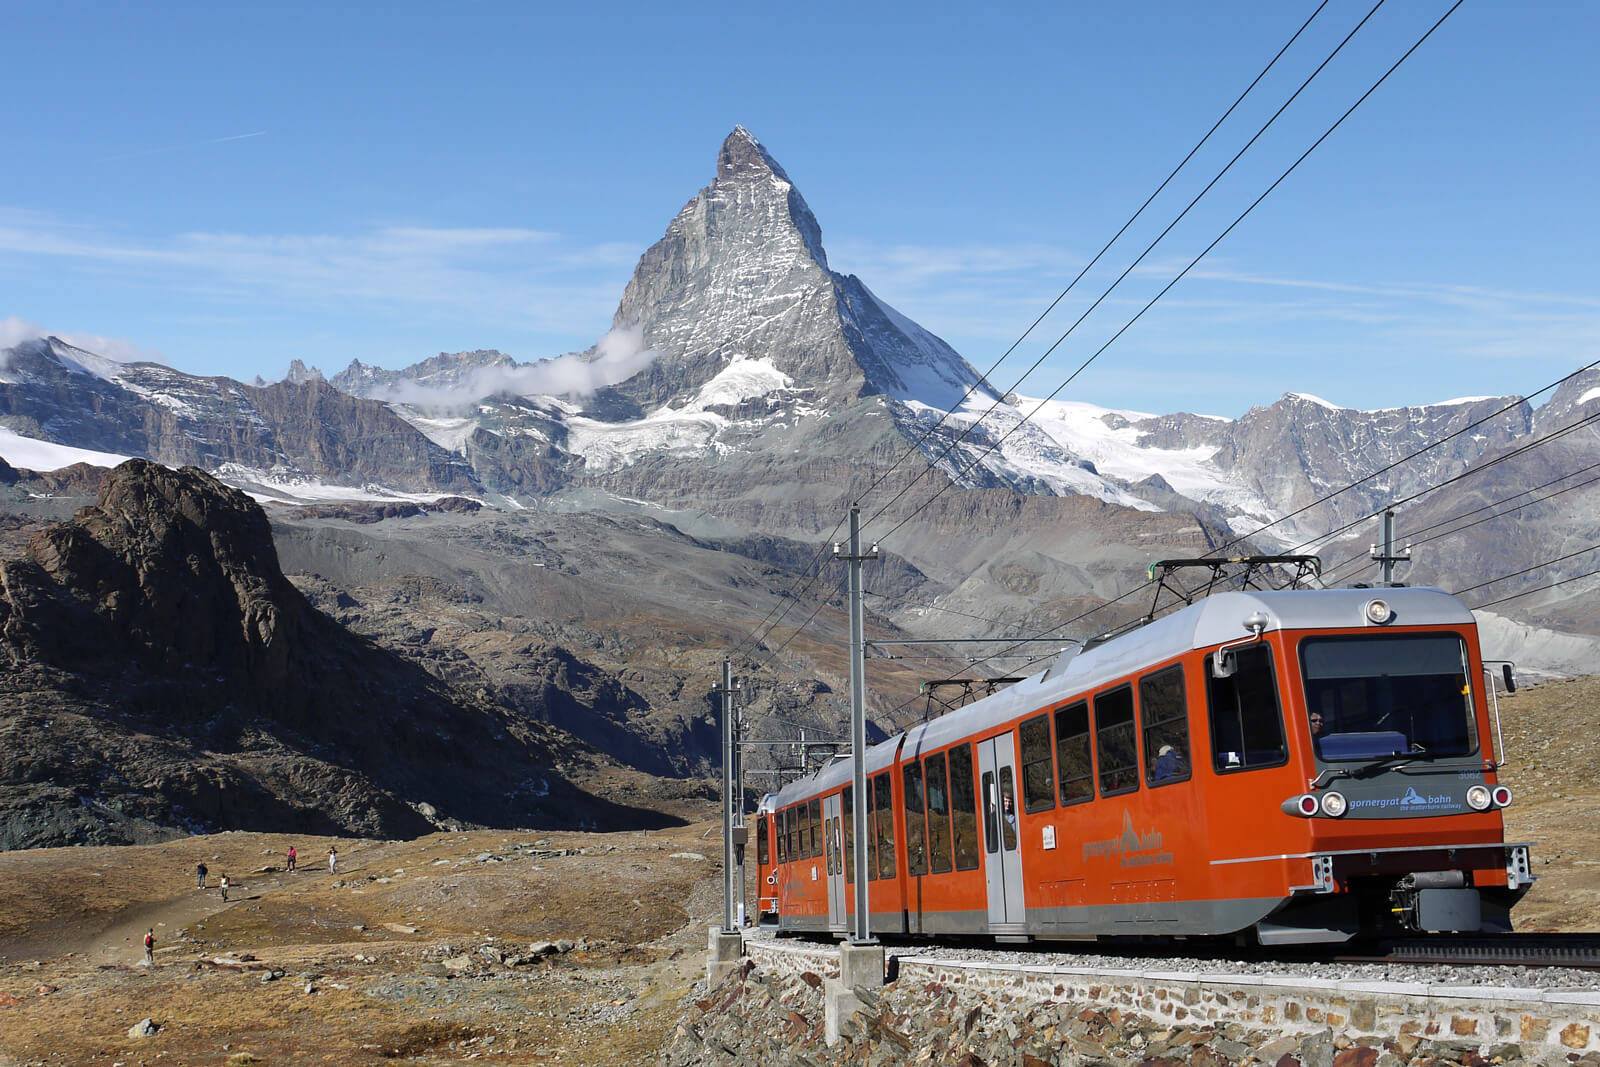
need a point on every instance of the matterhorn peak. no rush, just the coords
(745, 158)
(741, 274)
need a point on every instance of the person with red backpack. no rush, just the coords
(150, 947)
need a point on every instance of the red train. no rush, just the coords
(1295, 766)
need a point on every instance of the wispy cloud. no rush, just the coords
(498, 276)
(15, 330)
(618, 356)
(142, 153)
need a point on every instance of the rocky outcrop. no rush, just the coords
(159, 674)
(367, 512)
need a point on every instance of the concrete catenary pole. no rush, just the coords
(1388, 557)
(861, 930)
(728, 873)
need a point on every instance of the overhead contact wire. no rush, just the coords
(984, 378)
(933, 464)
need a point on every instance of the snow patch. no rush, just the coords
(740, 380)
(88, 362)
(1308, 398)
(280, 485)
(30, 453)
(610, 445)
(447, 433)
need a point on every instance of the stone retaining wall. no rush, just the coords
(770, 1010)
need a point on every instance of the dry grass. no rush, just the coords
(72, 984)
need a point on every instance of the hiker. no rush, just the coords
(200, 874)
(224, 888)
(150, 947)
(292, 855)
(333, 860)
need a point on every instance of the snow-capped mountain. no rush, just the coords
(747, 381)
(283, 434)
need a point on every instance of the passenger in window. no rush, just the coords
(1316, 724)
(1168, 764)
(1010, 812)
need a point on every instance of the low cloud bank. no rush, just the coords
(14, 331)
(618, 356)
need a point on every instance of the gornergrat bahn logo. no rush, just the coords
(1409, 801)
(1132, 847)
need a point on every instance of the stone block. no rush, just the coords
(840, 1005)
(722, 959)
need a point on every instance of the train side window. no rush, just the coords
(964, 806)
(872, 832)
(1074, 761)
(1038, 779)
(1165, 714)
(916, 856)
(1246, 723)
(803, 837)
(849, 834)
(781, 818)
(831, 845)
(814, 820)
(763, 851)
(884, 838)
(1008, 809)
(938, 815)
(991, 817)
(1116, 741)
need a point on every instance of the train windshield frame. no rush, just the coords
(1380, 695)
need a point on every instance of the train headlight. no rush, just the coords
(1379, 612)
(1334, 804)
(1478, 798)
(1502, 796)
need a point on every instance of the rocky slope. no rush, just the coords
(159, 673)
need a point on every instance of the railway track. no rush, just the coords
(1579, 951)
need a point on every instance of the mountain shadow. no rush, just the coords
(159, 674)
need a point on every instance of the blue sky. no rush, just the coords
(229, 187)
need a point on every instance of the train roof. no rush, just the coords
(1216, 619)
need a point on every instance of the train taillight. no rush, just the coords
(1502, 796)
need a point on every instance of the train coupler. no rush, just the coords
(1435, 902)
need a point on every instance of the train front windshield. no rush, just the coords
(1370, 697)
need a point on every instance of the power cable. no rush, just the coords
(1404, 459)
(1540, 589)
(1181, 274)
(1514, 453)
(1415, 539)
(1526, 570)
(984, 378)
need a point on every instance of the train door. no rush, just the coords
(834, 849)
(1002, 859)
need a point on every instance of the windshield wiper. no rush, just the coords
(1398, 761)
